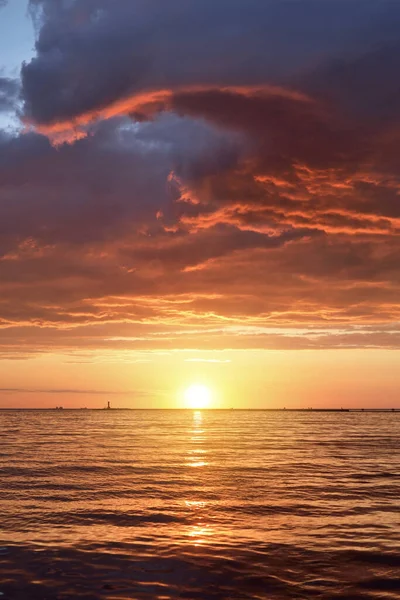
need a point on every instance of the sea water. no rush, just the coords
(211, 504)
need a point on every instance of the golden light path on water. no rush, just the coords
(197, 459)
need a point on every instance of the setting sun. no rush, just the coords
(198, 396)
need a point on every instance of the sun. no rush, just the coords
(198, 396)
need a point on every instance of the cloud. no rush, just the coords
(190, 251)
(91, 54)
(56, 391)
(235, 193)
(8, 93)
(207, 360)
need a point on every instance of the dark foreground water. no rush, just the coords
(182, 504)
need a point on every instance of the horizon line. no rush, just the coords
(308, 409)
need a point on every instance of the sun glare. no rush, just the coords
(198, 396)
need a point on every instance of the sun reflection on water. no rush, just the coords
(199, 534)
(199, 531)
(196, 455)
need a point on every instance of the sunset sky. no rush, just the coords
(200, 191)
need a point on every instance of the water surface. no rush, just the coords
(211, 504)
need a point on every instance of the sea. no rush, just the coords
(204, 505)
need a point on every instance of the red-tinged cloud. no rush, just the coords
(229, 194)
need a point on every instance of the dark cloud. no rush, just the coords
(9, 89)
(91, 54)
(109, 183)
(288, 126)
(365, 86)
(183, 252)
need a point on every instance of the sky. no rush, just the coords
(199, 191)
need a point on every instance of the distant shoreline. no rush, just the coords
(283, 410)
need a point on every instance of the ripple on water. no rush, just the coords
(175, 504)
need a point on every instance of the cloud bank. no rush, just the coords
(203, 174)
